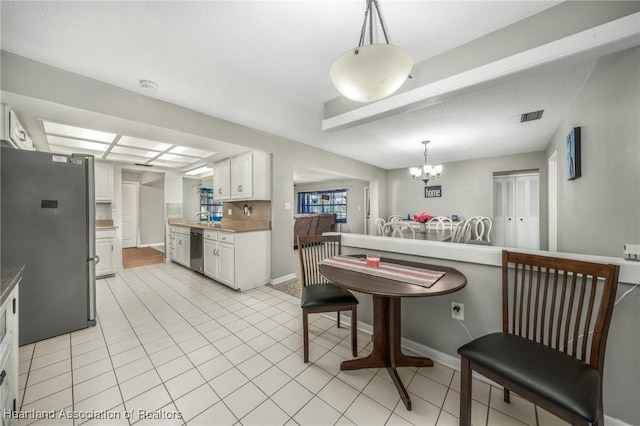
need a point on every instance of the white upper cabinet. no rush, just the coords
(244, 177)
(104, 182)
(11, 130)
(222, 180)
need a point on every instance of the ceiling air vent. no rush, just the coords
(530, 116)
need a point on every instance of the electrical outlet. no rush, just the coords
(457, 311)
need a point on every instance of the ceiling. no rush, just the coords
(67, 139)
(265, 64)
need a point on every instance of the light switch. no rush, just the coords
(287, 206)
(229, 212)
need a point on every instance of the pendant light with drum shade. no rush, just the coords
(374, 71)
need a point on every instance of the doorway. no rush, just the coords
(142, 240)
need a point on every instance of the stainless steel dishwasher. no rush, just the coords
(196, 262)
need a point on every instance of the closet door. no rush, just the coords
(527, 212)
(516, 211)
(504, 229)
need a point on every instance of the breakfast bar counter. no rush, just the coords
(482, 303)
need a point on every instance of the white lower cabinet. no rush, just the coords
(105, 250)
(240, 260)
(210, 254)
(9, 357)
(180, 245)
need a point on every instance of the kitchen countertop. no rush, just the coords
(223, 227)
(9, 277)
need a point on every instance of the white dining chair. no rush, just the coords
(399, 228)
(440, 223)
(381, 226)
(395, 218)
(461, 232)
(479, 230)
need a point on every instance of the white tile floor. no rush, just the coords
(187, 350)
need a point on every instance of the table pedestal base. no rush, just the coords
(386, 345)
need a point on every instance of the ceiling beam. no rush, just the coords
(603, 39)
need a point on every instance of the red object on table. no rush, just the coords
(373, 262)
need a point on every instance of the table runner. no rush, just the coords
(392, 271)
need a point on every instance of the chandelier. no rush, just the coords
(371, 72)
(426, 172)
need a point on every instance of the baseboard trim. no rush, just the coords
(445, 359)
(283, 279)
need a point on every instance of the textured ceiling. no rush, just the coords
(265, 65)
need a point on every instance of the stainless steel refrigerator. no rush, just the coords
(48, 224)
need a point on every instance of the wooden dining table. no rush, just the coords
(387, 294)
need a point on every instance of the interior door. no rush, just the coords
(527, 212)
(130, 208)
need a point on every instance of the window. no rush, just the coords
(333, 201)
(213, 207)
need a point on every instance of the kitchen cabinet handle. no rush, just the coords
(180, 242)
(2, 376)
(111, 247)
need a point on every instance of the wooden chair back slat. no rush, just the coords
(585, 330)
(576, 328)
(543, 314)
(536, 325)
(559, 302)
(313, 249)
(561, 318)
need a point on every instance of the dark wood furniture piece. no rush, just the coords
(387, 329)
(545, 353)
(305, 224)
(318, 294)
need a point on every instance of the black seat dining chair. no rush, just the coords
(319, 295)
(555, 320)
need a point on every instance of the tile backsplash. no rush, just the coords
(103, 211)
(174, 210)
(260, 210)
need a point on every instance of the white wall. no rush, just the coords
(191, 198)
(600, 211)
(467, 188)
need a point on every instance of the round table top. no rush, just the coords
(452, 281)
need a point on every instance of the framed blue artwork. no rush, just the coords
(574, 169)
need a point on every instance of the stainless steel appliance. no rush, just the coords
(48, 224)
(195, 244)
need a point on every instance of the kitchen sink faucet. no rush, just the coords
(207, 215)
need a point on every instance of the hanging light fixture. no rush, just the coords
(426, 172)
(371, 72)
